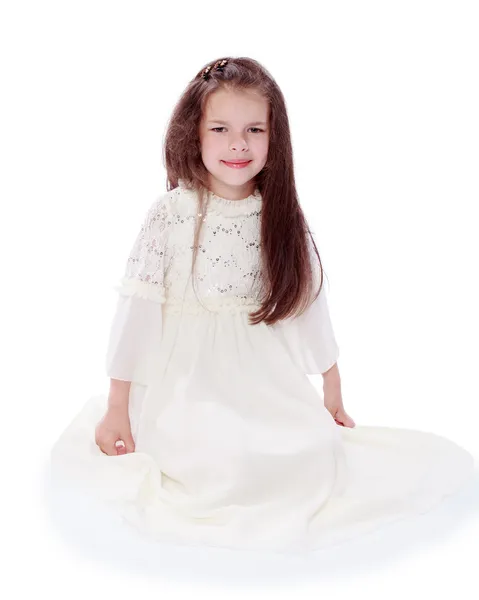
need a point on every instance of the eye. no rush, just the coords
(257, 129)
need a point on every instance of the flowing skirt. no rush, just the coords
(234, 448)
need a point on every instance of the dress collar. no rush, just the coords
(224, 206)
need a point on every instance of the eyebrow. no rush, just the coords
(226, 122)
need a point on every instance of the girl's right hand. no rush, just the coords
(114, 427)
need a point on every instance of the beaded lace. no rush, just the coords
(228, 263)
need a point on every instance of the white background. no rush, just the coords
(382, 100)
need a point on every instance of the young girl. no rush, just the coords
(212, 432)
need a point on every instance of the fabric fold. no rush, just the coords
(309, 339)
(134, 341)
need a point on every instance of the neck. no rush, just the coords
(230, 192)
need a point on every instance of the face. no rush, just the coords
(234, 126)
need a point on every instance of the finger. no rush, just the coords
(345, 419)
(350, 421)
(130, 444)
(120, 447)
(108, 451)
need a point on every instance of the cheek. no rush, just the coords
(261, 147)
(210, 145)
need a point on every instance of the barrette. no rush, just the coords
(218, 66)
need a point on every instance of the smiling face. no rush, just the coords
(234, 126)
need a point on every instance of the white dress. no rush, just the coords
(233, 445)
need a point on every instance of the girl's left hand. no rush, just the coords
(334, 403)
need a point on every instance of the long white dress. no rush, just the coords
(234, 447)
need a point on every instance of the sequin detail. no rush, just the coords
(227, 272)
(144, 271)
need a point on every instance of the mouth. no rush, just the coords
(236, 164)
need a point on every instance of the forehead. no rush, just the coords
(234, 106)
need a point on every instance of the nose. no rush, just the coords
(239, 144)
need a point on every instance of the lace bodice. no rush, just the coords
(227, 272)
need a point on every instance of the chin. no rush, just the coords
(236, 175)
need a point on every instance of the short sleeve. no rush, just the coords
(144, 272)
(310, 339)
(136, 328)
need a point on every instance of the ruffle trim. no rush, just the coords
(129, 286)
(217, 305)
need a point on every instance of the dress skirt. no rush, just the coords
(234, 448)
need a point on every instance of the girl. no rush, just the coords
(212, 432)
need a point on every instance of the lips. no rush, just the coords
(238, 164)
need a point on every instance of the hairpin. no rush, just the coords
(218, 66)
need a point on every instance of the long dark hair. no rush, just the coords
(286, 241)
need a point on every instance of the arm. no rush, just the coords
(331, 378)
(119, 394)
(333, 399)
